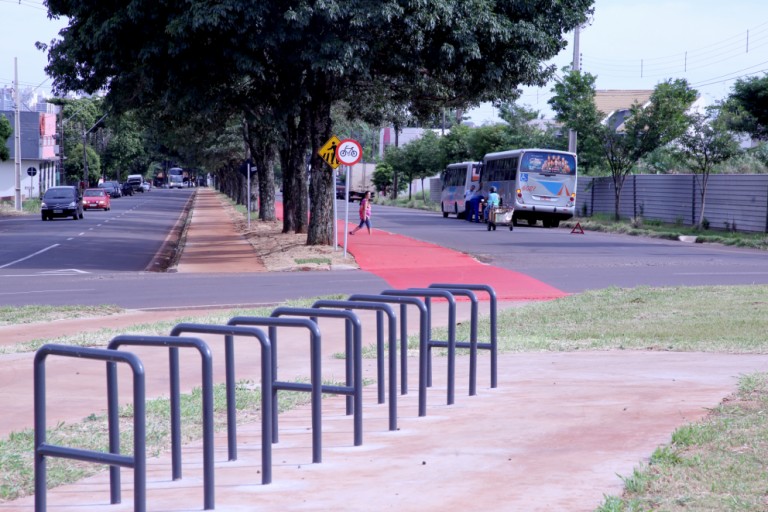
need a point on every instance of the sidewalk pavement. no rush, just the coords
(553, 436)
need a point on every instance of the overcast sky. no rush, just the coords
(630, 44)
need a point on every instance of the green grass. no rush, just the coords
(318, 261)
(28, 206)
(15, 315)
(656, 229)
(716, 464)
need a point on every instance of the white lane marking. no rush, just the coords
(49, 291)
(65, 271)
(41, 251)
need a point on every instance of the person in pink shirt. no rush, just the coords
(365, 214)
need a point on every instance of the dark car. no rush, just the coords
(127, 189)
(62, 201)
(112, 187)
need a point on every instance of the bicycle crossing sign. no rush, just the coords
(328, 152)
(349, 152)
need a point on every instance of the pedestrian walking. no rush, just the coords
(365, 214)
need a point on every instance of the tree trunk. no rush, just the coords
(293, 161)
(321, 188)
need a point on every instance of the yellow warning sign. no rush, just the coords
(328, 152)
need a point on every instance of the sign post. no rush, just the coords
(328, 153)
(31, 172)
(348, 152)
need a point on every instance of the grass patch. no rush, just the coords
(716, 464)
(656, 229)
(28, 206)
(317, 261)
(16, 451)
(14, 315)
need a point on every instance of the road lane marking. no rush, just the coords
(41, 251)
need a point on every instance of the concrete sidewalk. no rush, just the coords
(551, 437)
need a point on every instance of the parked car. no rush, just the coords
(126, 189)
(135, 181)
(96, 198)
(112, 187)
(63, 201)
(146, 186)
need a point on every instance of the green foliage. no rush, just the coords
(746, 109)
(5, 133)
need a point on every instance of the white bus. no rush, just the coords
(539, 183)
(456, 178)
(175, 177)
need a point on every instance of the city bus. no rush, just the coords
(175, 177)
(455, 179)
(539, 183)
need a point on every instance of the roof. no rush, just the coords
(611, 100)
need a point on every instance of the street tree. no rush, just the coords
(706, 144)
(434, 54)
(746, 108)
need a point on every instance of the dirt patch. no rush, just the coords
(288, 252)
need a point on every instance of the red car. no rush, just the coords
(96, 198)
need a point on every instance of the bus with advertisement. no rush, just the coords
(540, 184)
(455, 180)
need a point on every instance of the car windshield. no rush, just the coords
(58, 194)
(93, 193)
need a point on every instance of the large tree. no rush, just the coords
(746, 109)
(5, 133)
(299, 57)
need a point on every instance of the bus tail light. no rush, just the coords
(573, 197)
(519, 194)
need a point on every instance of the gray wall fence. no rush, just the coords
(737, 202)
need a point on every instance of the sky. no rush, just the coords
(628, 44)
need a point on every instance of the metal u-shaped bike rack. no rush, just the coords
(492, 345)
(43, 450)
(229, 332)
(428, 293)
(380, 309)
(315, 379)
(423, 339)
(173, 344)
(354, 361)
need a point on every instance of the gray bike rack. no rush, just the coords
(354, 361)
(173, 344)
(380, 309)
(471, 344)
(316, 383)
(423, 339)
(429, 293)
(229, 332)
(43, 450)
(492, 346)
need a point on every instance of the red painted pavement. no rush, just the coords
(405, 262)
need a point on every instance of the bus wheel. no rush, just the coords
(546, 223)
(532, 222)
(445, 213)
(555, 224)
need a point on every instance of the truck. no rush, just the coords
(135, 181)
(360, 182)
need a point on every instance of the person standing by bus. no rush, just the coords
(365, 214)
(468, 203)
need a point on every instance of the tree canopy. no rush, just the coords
(746, 109)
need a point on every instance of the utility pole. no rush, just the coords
(17, 134)
(572, 135)
(85, 154)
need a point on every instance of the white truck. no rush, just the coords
(360, 182)
(135, 181)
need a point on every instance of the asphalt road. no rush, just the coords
(101, 259)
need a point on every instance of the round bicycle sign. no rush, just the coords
(349, 152)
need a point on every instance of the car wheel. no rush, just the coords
(44, 217)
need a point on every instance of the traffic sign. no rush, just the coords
(328, 152)
(349, 152)
(31, 171)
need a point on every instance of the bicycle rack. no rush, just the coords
(423, 339)
(229, 332)
(42, 449)
(380, 309)
(316, 383)
(471, 345)
(173, 344)
(354, 364)
(493, 303)
(428, 293)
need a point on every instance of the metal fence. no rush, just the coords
(737, 202)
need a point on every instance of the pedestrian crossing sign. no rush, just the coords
(328, 152)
